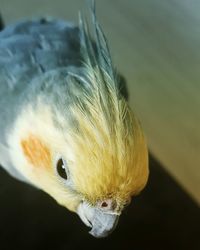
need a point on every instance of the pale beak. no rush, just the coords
(101, 222)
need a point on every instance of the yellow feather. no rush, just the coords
(97, 134)
(109, 146)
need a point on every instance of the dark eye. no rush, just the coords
(61, 169)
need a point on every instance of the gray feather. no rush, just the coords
(29, 50)
(38, 55)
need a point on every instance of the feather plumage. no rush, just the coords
(64, 99)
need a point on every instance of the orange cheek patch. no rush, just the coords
(36, 152)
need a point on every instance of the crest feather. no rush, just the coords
(110, 149)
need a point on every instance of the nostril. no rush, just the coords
(107, 205)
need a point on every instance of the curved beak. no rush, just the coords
(101, 222)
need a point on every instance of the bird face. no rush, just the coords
(83, 170)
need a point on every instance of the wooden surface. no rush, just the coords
(156, 46)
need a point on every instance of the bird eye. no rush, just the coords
(61, 169)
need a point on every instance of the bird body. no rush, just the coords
(65, 126)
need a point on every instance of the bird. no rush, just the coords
(66, 126)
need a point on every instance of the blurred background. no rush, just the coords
(156, 46)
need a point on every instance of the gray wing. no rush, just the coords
(27, 50)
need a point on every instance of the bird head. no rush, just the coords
(78, 140)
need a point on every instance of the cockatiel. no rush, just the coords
(65, 125)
